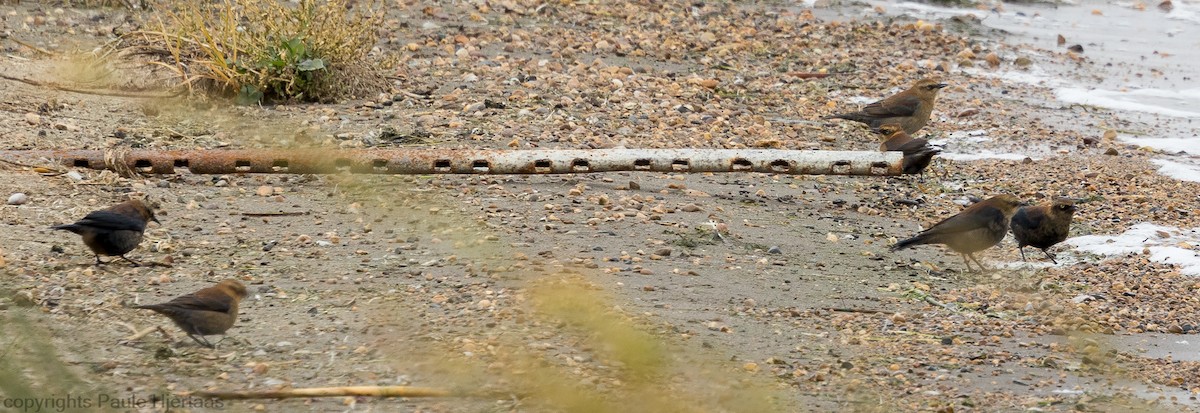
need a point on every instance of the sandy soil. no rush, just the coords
(596, 292)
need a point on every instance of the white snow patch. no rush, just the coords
(1156, 101)
(977, 135)
(1176, 248)
(1034, 76)
(1189, 145)
(1178, 170)
(1184, 11)
(1066, 391)
(938, 11)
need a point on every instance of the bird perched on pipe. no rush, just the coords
(113, 231)
(206, 312)
(918, 153)
(910, 108)
(1043, 225)
(975, 229)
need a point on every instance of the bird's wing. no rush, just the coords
(914, 146)
(1027, 218)
(207, 302)
(112, 221)
(966, 221)
(894, 106)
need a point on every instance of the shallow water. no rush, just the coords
(1153, 345)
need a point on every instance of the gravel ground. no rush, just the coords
(598, 292)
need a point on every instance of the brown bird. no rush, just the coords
(918, 153)
(910, 108)
(975, 229)
(1043, 226)
(205, 312)
(113, 231)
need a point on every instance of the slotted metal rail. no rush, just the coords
(454, 161)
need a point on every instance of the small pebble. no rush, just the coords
(18, 198)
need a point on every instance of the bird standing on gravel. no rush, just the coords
(918, 153)
(113, 231)
(1043, 225)
(975, 229)
(205, 312)
(910, 108)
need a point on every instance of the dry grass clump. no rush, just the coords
(265, 50)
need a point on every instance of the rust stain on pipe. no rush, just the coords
(481, 161)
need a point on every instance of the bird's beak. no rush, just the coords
(941, 85)
(1072, 208)
(155, 219)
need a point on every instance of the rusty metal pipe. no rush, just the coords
(478, 161)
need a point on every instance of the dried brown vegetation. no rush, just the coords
(256, 50)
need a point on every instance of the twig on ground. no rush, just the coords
(35, 48)
(274, 214)
(365, 391)
(39, 169)
(126, 325)
(929, 299)
(137, 335)
(858, 310)
(92, 92)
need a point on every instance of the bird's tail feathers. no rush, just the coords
(902, 244)
(846, 116)
(930, 149)
(68, 227)
(156, 307)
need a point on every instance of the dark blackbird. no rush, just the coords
(975, 229)
(1043, 225)
(205, 312)
(918, 153)
(113, 231)
(910, 108)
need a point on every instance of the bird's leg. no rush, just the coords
(98, 262)
(135, 263)
(200, 339)
(1022, 249)
(982, 267)
(1050, 256)
(964, 257)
